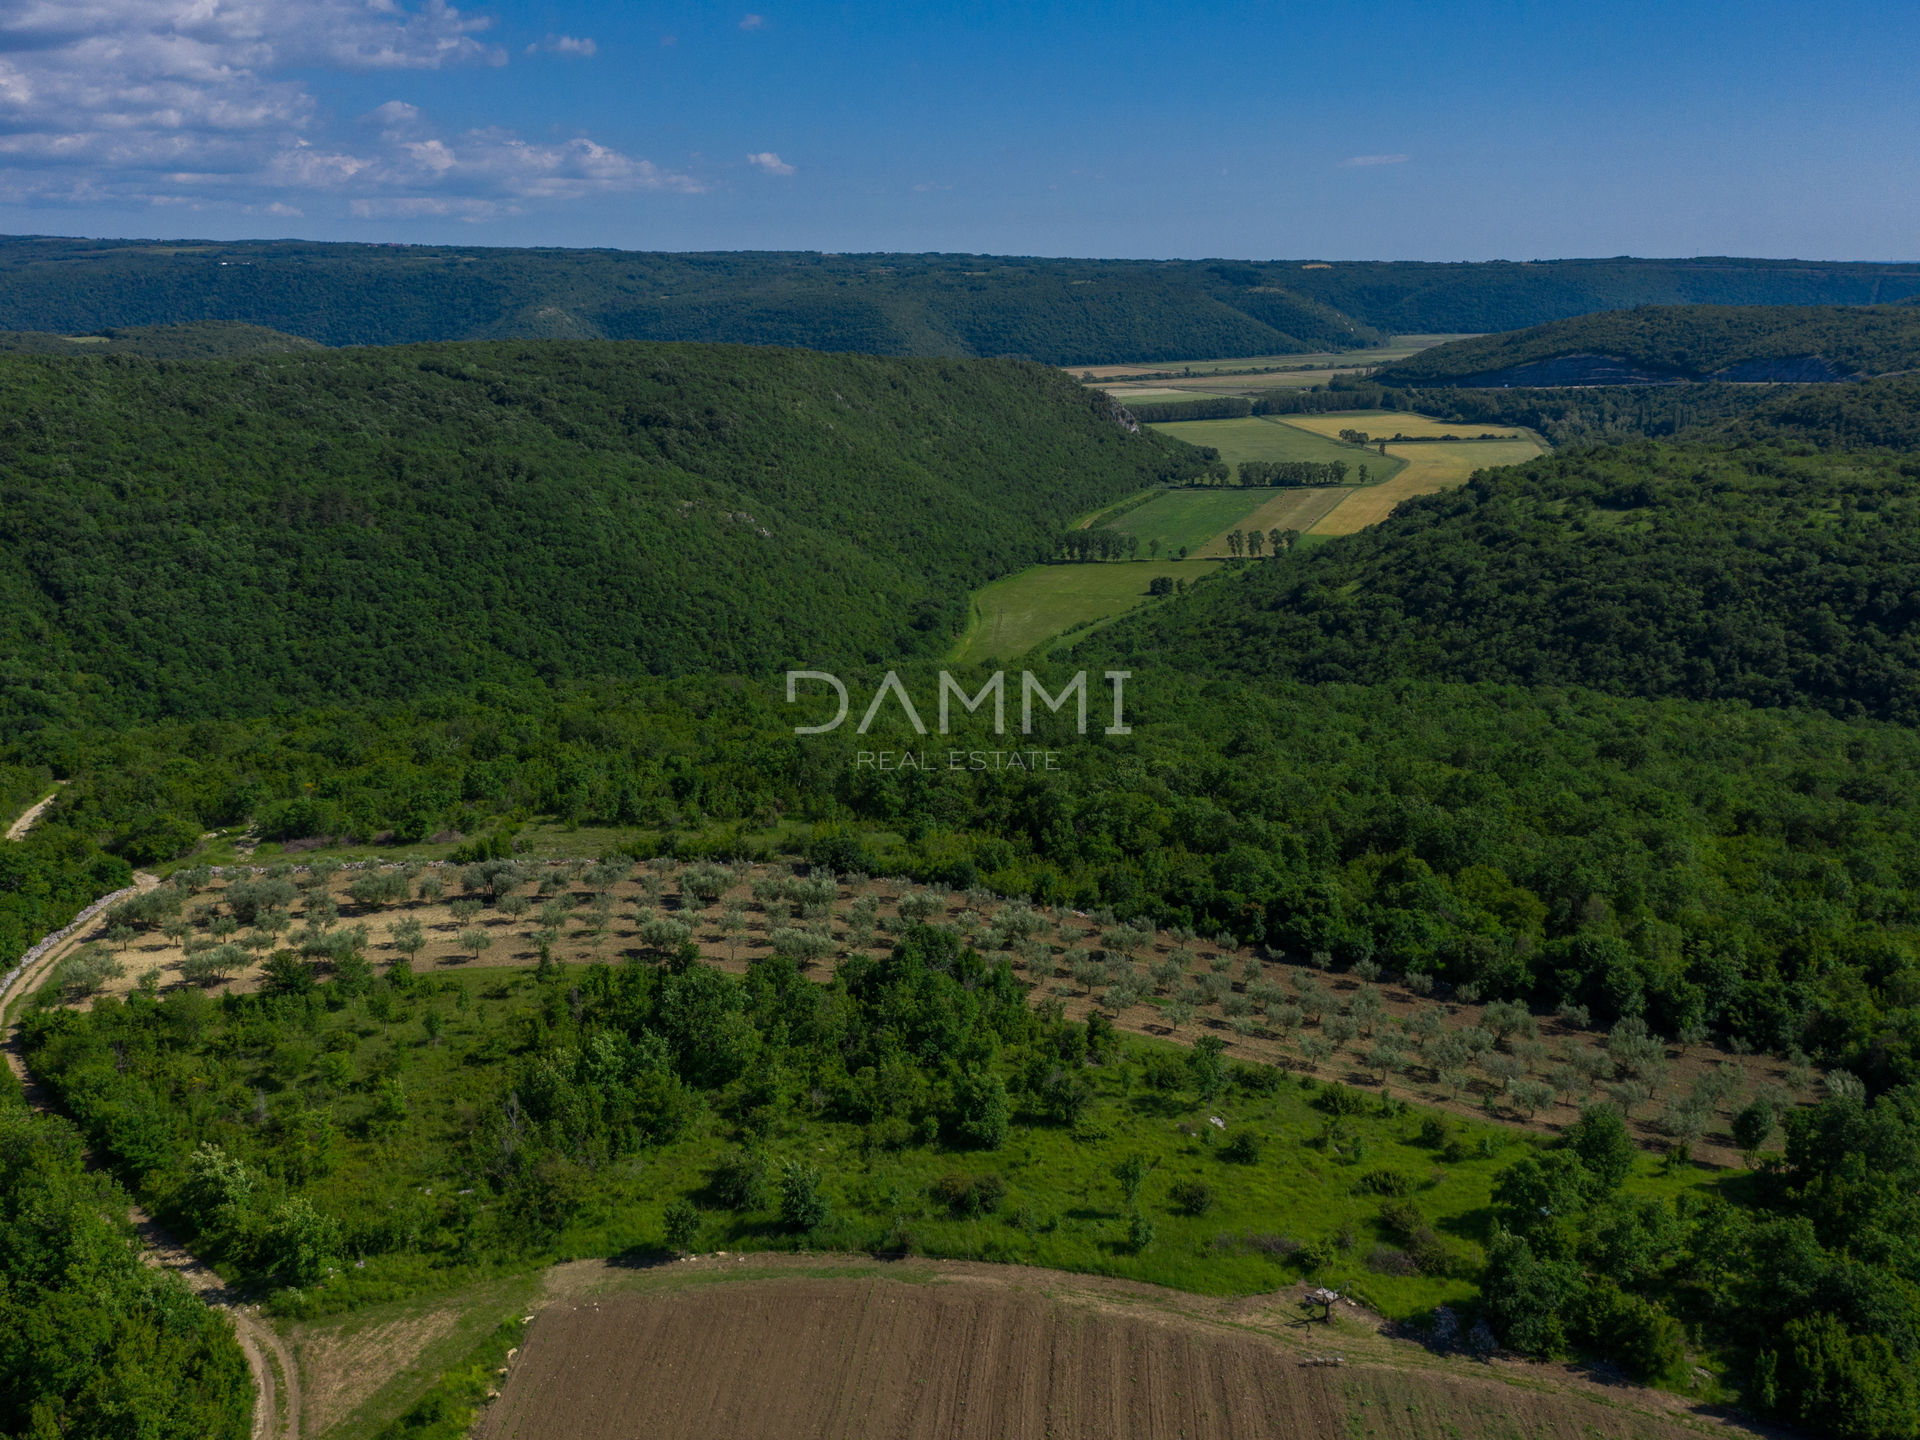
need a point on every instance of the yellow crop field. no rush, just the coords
(1429, 468)
(1382, 424)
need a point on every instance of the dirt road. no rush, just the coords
(274, 1417)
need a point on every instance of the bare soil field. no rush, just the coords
(737, 1348)
(1060, 963)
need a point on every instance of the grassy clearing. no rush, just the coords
(362, 1371)
(1260, 437)
(1012, 617)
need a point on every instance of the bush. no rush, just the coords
(681, 1225)
(1242, 1149)
(1635, 1333)
(1601, 1141)
(980, 1100)
(1387, 1261)
(802, 1206)
(1341, 1100)
(1386, 1182)
(1163, 1070)
(968, 1197)
(740, 1181)
(1192, 1197)
(1258, 1079)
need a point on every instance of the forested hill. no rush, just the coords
(1644, 569)
(198, 340)
(1668, 343)
(1874, 415)
(228, 537)
(1060, 311)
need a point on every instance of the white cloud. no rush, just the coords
(1378, 160)
(768, 161)
(203, 103)
(753, 22)
(566, 45)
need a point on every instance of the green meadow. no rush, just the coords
(1262, 437)
(1191, 518)
(1013, 616)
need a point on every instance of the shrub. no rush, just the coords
(1163, 1070)
(681, 1225)
(1387, 1261)
(1192, 1197)
(1258, 1079)
(969, 1196)
(1340, 1100)
(1605, 1148)
(1386, 1182)
(740, 1181)
(1242, 1149)
(802, 1206)
(1634, 1333)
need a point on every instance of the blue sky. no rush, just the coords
(1259, 130)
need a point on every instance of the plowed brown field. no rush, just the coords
(973, 1355)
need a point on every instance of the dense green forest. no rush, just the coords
(1643, 569)
(225, 537)
(1679, 342)
(1874, 415)
(1056, 311)
(1059, 311)
(200, 340)
(1426, 298)
(94, 1342)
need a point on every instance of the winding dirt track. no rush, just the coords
(273, 1418)
(18, 830)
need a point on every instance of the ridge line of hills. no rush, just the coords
(1057, 311)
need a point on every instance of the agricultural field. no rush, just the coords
(1429, 468)
(1278, 367)
(1261, 437)
(1012, 617)
(1300, 510)
(1192, 518)
(1383, 424)
(771, 1347)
